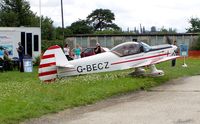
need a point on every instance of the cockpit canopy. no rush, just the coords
(130, 48)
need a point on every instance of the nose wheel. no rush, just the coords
(154, 72)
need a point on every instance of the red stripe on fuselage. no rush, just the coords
(48, 73)
(115, 63)
(53, 47)
(48, 56)
(47, 64)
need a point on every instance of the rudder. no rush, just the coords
(47, 69)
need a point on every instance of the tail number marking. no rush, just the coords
(92, 67)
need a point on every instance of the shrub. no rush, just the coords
(36, 62)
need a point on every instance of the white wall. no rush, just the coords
(10, 36)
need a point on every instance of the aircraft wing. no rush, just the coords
(151, 62)
(165, 59)
(143, 64)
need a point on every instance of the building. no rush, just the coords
(30, 38)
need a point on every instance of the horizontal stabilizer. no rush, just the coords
(61, 60)
(65, 65)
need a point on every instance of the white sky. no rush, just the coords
(128, 13)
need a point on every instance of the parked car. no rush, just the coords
(90, 51)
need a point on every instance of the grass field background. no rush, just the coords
(23, 96)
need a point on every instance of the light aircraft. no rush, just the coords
(127, 55)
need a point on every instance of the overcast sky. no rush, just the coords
(128, 13)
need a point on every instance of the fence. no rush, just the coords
(110, 41)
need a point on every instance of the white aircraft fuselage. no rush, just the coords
(124, 56)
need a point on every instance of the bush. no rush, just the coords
(36, 62)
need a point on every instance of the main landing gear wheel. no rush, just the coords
(138, 72)
(154, 72)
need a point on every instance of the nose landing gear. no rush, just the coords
(155, 72)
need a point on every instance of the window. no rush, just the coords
(126, 49)
(36, 43)
(23, 40)
(29, 44)
(145, 47)
(88, 50)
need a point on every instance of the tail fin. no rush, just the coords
(52, 58)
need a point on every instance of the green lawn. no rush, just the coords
(23, 96)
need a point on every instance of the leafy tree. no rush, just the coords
(102, 19)
(113, 26)
(109, 32)
(80, 27)
(195, 25)
(48, 30)
(59, 32)
(171, 30)
(8, 19)
(17, 13)
(163, 30)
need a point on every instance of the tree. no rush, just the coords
(8, 19)
(163, 30)
(113, 26)
(109, 32)
(195, 25)
(101, 19)
(48, 30)
(17, 13)
(171, 30)
(59, 32)
(80, 27)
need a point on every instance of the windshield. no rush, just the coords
(127, 48)
(145, 46)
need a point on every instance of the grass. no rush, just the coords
(23, 96)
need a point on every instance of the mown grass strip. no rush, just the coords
(23, 96)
